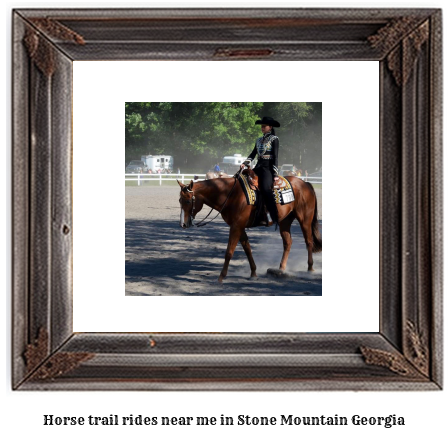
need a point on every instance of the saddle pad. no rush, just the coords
(282, 196)
(251, 195)
(285, 194)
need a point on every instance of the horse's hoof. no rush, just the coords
(254, 275)
(277, 273)
(220, 279)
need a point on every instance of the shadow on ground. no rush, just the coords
(163, 259)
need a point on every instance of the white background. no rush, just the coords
(425, 413)
(350, 96)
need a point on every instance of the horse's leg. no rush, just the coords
(246, 246)
(285, 232)
(304, 212)
(234, 236)
(307, 232)
(305, 221)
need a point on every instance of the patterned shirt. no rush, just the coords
(266, 147)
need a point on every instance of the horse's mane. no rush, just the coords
(220, 183)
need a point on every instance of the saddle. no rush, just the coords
(283, 194)
(253, 180)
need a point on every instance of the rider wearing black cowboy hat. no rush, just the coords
(267, 166)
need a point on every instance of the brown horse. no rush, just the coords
(227, 196)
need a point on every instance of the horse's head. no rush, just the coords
(190, 205)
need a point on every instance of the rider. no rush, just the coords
(216, 168)
(267, 166)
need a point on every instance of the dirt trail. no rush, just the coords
(163, 259)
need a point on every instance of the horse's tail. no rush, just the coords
(317, 239)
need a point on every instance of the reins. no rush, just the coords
(200, 224)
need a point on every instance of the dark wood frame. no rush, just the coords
(406, 354)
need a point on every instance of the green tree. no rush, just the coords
(300, 132)
(199, 133)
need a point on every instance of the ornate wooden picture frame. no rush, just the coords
(406, 353)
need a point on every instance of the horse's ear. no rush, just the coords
(178, 182)
(190, 187)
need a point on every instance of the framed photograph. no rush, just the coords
(383, 232)
(180, 248)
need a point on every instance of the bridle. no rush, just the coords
(201, 224)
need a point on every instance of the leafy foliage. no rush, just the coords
(198, 134)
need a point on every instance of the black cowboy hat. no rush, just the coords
(268, 121)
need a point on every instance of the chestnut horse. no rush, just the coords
(227, 197)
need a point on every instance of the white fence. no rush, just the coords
(312, 179)
(141, 177)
